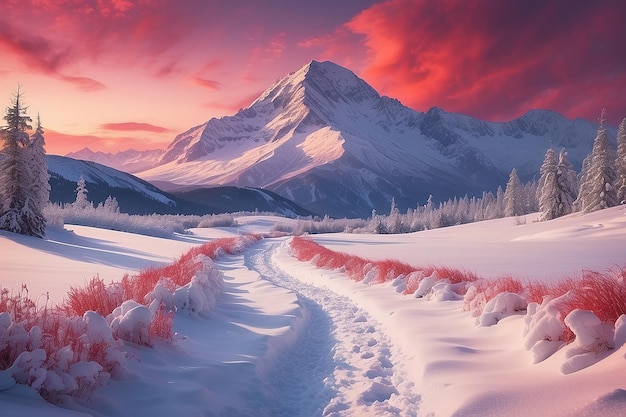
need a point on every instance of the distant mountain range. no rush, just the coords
(327, 140)
(136, 196)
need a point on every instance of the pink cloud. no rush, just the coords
(208, 84)
(134, 126)
(497, 59)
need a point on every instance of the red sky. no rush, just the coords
(116, 74)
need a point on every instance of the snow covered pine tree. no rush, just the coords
(548, 187)
(513, 197)
(40, 185)
(20, 211)
(597, 189)
(81, 195)
(567, 181)
(620, 184)
(557, 186)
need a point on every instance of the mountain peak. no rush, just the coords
(316, 82)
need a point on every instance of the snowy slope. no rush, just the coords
(324, 138)
(287, 338)
(136, 196)
(72, 169)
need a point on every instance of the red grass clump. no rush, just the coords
(354, 266)
(604, 294)
(95, 296)
(162, 324)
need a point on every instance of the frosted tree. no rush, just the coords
(620, 183)
(583, 184)
(81, 195)
(514, 196)
(394, 222)
(111, 205)
(567, 181)
(19, 212)
(531, 203)
(597, 191)
(40, 186)
(548, 190)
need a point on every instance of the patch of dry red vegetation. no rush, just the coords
(602, 293)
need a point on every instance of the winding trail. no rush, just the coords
(341, 363)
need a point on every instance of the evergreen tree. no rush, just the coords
(548, 190)
(40, 186)
(567, 182)
(583, 183)
(620, 184)
(81, 195)
(19, 213)
(598, 192)
(513, 196)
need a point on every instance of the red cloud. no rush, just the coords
(41, 55)
(54, 37)
(496, 60)
(134, 126)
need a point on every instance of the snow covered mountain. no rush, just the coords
(129, 160)
(325, 139)
(136, 196)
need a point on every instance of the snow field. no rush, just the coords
(287, 338)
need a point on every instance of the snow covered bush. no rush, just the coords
(592, 337)
(502, 305)
(131, 322)
(482, 291)
(545, 331)
(57, 355)
(198, 296)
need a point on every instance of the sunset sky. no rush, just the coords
(117, 74)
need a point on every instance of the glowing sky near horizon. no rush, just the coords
(118, 74)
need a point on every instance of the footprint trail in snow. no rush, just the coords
(341, 363)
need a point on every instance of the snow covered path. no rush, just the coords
(342, 363)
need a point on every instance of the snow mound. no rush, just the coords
(592, 338)
(501, 306)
